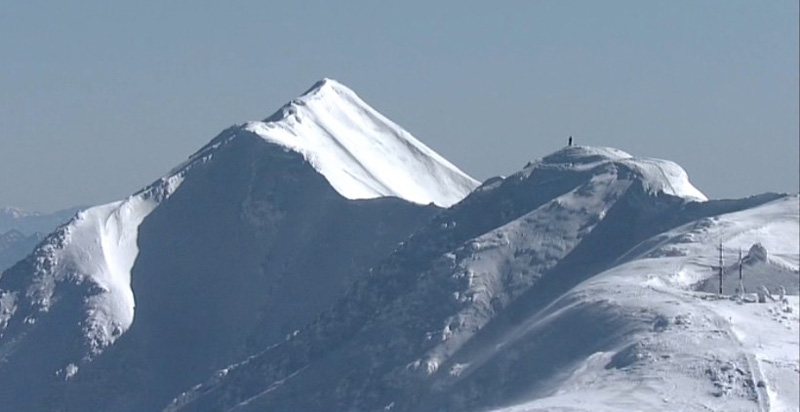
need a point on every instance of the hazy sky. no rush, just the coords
(98, 100)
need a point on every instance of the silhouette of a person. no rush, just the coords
(570, 141)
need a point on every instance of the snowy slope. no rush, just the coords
(96, 251)
(362, 153)
(686, 350)
(447, 321)
(255, 244)
(659, 176)
(79, 287)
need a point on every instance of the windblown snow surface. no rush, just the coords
(687, 349)
(299, 175)
(363, 154)
(573, 285)
(104, 239)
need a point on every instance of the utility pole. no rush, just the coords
(741, 275)
(720, 268)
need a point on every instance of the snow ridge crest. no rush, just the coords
(360, 152)
(657, 175)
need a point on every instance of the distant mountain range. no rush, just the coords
(27, 223)
(20, 231)
(14, 246)
(324, 259)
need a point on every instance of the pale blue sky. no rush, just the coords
(98, 100)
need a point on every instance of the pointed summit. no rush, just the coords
(326, 84)
(360, 152)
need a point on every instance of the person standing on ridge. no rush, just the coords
(569, 141)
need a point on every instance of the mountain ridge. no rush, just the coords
(304, 262)
(79, 287)
(373, 163)
(657, 175)
(541, 231)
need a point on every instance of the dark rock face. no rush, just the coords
(440, 324)
(252, 246)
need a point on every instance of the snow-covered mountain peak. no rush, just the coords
(82, 273)
(656, 175)
(360, 152)
(327, 85)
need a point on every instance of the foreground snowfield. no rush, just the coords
(692, 350)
